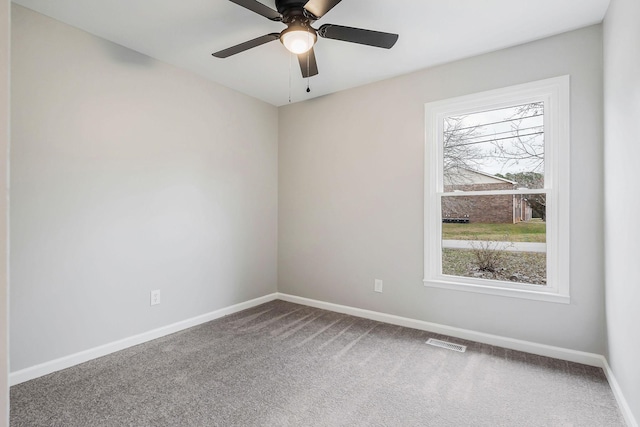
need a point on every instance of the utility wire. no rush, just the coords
(493, 123)
(496, 139)
(499, 133)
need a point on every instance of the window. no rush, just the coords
(497, 192)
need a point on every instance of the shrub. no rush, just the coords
(489, 255)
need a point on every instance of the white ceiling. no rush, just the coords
(185, 33)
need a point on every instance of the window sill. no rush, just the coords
(536, 295)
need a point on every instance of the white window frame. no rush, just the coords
(554, 93)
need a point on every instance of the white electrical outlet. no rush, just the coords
(377, 285)
(155, 297)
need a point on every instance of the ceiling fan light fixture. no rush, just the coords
(298, 39)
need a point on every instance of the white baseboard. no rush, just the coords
(93, 353)
(590, 359)
(617, 392)
(514, 344)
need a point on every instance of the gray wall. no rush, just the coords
(129, 175)
(5, 6)
(622, 234)
(351, 196)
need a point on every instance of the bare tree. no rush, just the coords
(528, 146)
(464, 145)
(521, 146)
(531, 180)
(527, 142)
(459, 153)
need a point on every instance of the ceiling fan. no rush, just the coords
(299, 36)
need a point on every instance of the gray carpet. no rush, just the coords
(282, 364)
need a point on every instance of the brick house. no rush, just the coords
(503, 209)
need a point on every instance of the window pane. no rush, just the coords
(495, 149)
(498, 237)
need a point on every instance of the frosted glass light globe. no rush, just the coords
(298, 40)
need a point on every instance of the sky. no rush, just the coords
(493, 139)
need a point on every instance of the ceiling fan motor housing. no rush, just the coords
(290, 9)
(296, 18)
(299, 37)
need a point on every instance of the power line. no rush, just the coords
(493, 123)
(497, 139)
(500, 133)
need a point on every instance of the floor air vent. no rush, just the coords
(447, 345)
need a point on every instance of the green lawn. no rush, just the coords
(531, 231)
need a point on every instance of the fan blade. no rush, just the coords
(247, 45)
(358, 35)
(308, 64)
(318, 8)
(259, 8)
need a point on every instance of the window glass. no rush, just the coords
(497, 163)
(497, 237)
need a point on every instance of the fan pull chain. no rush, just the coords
(308, 59)
(290, 56)
(308, 71)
